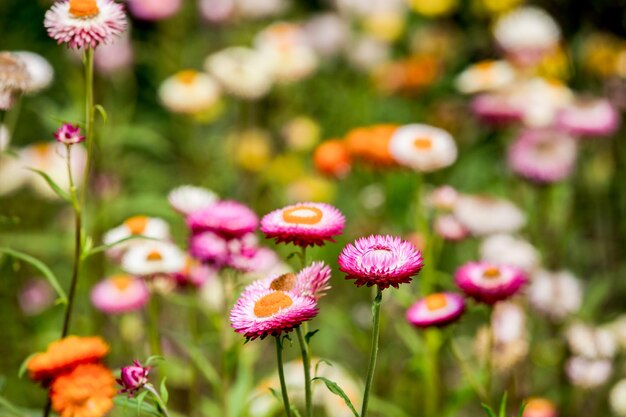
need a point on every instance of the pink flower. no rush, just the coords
(589, 118)
(228, 219)
(85, 23)
(496, 109)
(489, 283)
(133, 378)
(543, 156)
(269, 312)
(450, 228)
(153, 10)
(209, 247)
(436, 310)
(380, 260)
(194, 274)
(311, 281)
(303, 224)
(68, 134)
(120, 294)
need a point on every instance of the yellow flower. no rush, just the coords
(387, 26)
(285, 168)
(555, 65)
(311, 188)
(251, 150)
(301, 133)
(433, 8)
(499, 6)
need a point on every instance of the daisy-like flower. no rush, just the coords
(39, 69)
(153, 10)
(555, 294)
(489, 283)
(189, 92)
(209, 247)
(589, 117)
(311, 281)
(540, 100)
(65, 354)
(85, 23)
(380, 260)
(187, 198)
(539, 407)
(229, 219)
(485, 76)
(543, 156)
(68, 134)
(150, 227)
(86, 391)
(303, 224)
(133, 378)
(14, 79)
(485, 215)
(436, 310)
(510, 250)
(120, 294)
(423, 148)
(153, 258)
(270, 313)
(243, 72)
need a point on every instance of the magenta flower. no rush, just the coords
(85, 23)
(133, 378)
(194, 274)
(303, 224)
(489, 283)
(496, 109)
(311, 281)
(268, 312)
(154, 10)
(229, 219)
(68, 134)
(436, 310)
(589, 118)
(380, 260)
(210, 248)
(120, 294)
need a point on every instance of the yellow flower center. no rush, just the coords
(539, 405)
(423, 144)
(187, 76)
(303, 215)
(136, 225)
(154, 256)
(121, 282)
(83, 8)
(436, 301)
(491, 272)
(285, 282)
(271, 304)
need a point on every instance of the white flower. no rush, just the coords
(617, 398)
(327, 33)
(5, 137)
(540, 100)
(367, 52)
(150, 227)
(189, 92)
(555, 294)
(510, 250)
(258, 9)
(423, 148)
(591, 342)
(526, 29)
(39, 69)
(186, 199)
(485, 76)
(618, 328)
(484, 215)
(153, 257)
(588, 373)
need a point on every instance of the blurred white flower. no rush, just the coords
(485, 76)
(150, 227)
(153, 258)
(189, 92)
(484, 215)
(422, 147)
(216, 11)
(618, 328)
(617, 398)
(540, 100)
(448, 227)
(510, 250)
(39, 69)
(187, 198)
(588, 373)
(555, 294)
(590, 342)
(327, 33)
(367, 52)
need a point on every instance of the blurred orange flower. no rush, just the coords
(371, 143)
(407, 75)
(87, 391)
(332, 158)
(65, 354)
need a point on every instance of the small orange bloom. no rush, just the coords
(86, 391)
(64, 354)
(332, 158)
(372, 143)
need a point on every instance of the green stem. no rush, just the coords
(489, 357)
(281, 375)
(373, 349)
(89, 119)
(431, 365)
(306, 362)
(153, 326)
(150, 388)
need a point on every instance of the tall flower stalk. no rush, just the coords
(281, 376)
(373, 349)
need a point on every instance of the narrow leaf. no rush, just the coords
(521, 409)
(489, 411)
(163, 391)
(503, 405)
(336, 389)
(55, 187)
(140, 399)
(309, 335)
(102, 112)
(321, 361)
(154, 358)
(24, 365)
(6, 404)
(36, 263)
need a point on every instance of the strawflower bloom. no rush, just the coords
(86, 391)
(423, 148)
(120, 294)
(332, 158)
(380, 260)
(371, 143)
(14, 79)
(496, 108)
(229, 219)
(85, 23)
(153, 10)
(69, 134)
(485, 215)
(311, 281)
(189, 92)
(590, 118)
(39, 69)
(135, 226)
(133, 378)
(303, 224)
(436, 310)
(269, 312)
(539, 407)
(489, 283)
(555, 294)
(450, 228)
(209, 247)
(65, 354)
(153, 257)
(194, 273)
(187, 198)
(485, 76)
(510, 250)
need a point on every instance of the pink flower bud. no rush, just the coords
(68, 134)
(133, 378)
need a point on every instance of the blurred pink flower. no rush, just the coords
(436, 310)
(153, 10)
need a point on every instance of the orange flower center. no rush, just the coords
(83, 8)
(491, 272)
(137, 224)
(187, 76)
(423, 144)
(436, 301)
(536, 405)
(303, 215)
(42, 149)
(285, 282)
(271, 304)
(121, 282)
(154, 256)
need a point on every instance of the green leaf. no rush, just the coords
(201, 362)
(488, 409)
(24, 365)
(36, 263)
(140, 398)
(154, 358)
(317, 365)
(163, 391)
(503, 405)
(102, 248)
(336, 389)
(12, 409)
(55, 187)
(309, 335)
(102, 112)
(521, 409)
(276, 395)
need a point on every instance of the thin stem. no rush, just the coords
(150, 388)
(153, 326)
(281, 375)
(373, 349)
(306, 362)
(89, 119)
(431, 364)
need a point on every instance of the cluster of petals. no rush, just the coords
(311, 281)
(153, 258)
(68, 134)
(229, 219)
(489, 283)
(134, 227)
(85, 391)
(436, 310)
(120, 294)
(380, 260)
(589, 118)
(133, 378)
(215, 250)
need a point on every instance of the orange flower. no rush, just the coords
(407, 75)
(65, 354)
(86, 391)
(372, 143)
(332, 158)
